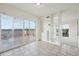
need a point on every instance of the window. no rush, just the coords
(32, 25)
(14, 31)
(65, 30)
(32, 29)
(26, 23)
(26, 28)
(6, 27)
(29, 29)
(18, 29)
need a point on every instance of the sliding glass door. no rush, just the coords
(32, 30)
(6, 31)
(26, 30)
(15, 32)
(6, 27)
(18, 31)
(29, 30)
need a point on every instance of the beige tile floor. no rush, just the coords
(41, 48)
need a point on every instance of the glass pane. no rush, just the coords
(29, 32)
(26, 29)
(18, 31)
(6, 27)
(32, 30)
(6, 32)
(6, 22)
(26, 24)
(65, 30)
(18, 24)
(32, 25)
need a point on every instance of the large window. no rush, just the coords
(15, 32)
(6, 27)
(18, 29)
(26, 28)
(32, 24)
(32, 29)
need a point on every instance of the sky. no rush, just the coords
(7, 23)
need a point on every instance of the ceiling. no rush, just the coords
(44, 9)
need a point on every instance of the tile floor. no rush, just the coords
(41, 48)
(9, 44)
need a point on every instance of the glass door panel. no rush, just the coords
(18, 31)
(26, 30)
(32, 30)
(6, 32)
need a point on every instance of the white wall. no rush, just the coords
(59, 19)
(70, 17)
(46, 29)
(39, 29)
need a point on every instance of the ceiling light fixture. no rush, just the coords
(37, 3)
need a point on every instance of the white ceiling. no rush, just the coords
(44, 9)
